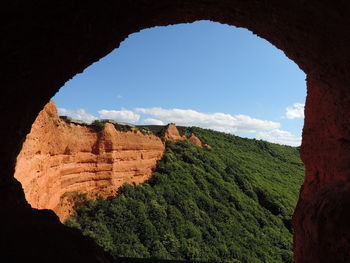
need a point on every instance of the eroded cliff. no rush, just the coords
(172, 134)
(59, 157)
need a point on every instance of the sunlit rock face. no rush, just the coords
(196, 141)
(173, 134)
(59, 157)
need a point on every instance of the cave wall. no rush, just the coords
(45, 43)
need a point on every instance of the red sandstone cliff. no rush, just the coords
(58, 157)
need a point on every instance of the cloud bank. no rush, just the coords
(280, 137)
(79, 114)
(296, 111)
(151, 121)
(217, 121)
(120, 115)
(234, 124)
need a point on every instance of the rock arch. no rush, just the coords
(45, 43)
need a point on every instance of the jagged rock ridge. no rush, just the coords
(59, 157)
(172, 134)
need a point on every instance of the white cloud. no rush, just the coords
(153, 122)
(216, 121)
(297, 111)
(79, 114)
(280, 137)
(237, 124)
(121, 115)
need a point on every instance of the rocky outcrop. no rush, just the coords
(172, 133)
(58, 157)
(195, 140)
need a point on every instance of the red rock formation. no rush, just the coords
(322, 232)
(195, 140)
(207, 146)
(172, 133)
(58, 157)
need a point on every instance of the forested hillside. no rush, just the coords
(231, 203)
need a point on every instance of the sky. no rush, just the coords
(201, 74)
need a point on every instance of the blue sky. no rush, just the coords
(202, 74)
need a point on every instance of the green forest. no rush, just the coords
(232, 203)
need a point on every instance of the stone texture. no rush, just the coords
(57, 158)
(172, 133)
(46, 43)
(196, 141)
(321, 221)
(321, 234)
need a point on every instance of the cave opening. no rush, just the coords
(199, 95)
(46, 44)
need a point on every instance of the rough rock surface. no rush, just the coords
(195, 140)
(46, 44)
(321, 231)
(58, 157)
(172, 133)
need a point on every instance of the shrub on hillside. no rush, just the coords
(231, 204)
(97, 125)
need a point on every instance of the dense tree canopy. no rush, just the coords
(231, 203)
